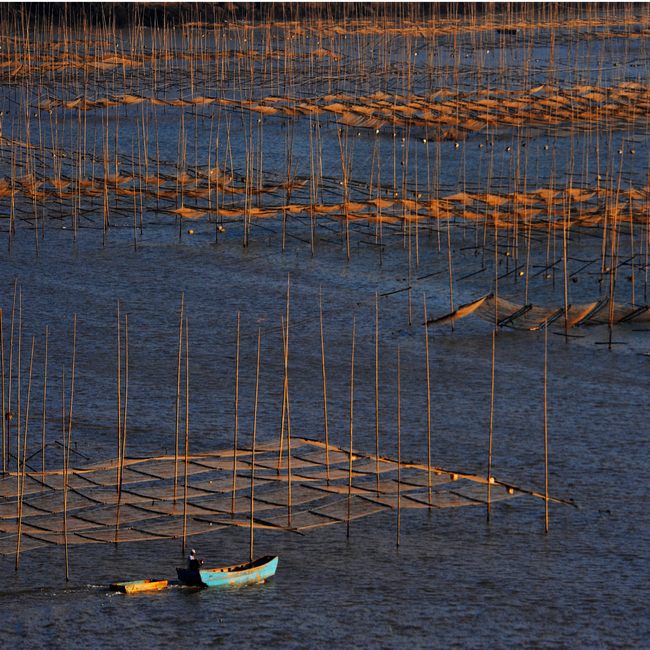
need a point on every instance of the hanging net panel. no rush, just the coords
(505, 313)
(155, 498)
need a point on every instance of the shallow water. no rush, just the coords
(455, 580)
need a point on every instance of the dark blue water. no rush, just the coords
(455, 580)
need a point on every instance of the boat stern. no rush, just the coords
(189, 577)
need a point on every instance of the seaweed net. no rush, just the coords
(221, 194)
(447, 114)
(316, 485)
(506, 313)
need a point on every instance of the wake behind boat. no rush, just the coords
(238, 575)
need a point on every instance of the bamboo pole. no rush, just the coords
(565, 255)
(187, 430)
(399, 449)
(324, 375)
(19, 381)
(67, 472)
(9, 415)
(123, 427)
(451, 273)
(489, 472)
(289, 486)
(236, 428)
(178, 390)
(285, 389)
(126, 398)
(377, 393)
(545, 428)
(119, 400)
(43, 431)
(4, 414)
(251, 548)
(21, 491)
(426, 349)
(347, 534)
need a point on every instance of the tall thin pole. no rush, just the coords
(123, 415)
(251, 548)
(65, 472)
(187, 429)
(19, 379)
(74, 359)
(545, 428)
(8, 414)
(21, 474)
(43, 431)
(426, 348)
(351, 426)
(489, 472)
(377, 393)
(324, 375)
(399, 448)
(119, 400)
(236, 429)
(288, 407)
(126, 397)
(4, 414)
(285, 393)
(178, 390)
(451, 273)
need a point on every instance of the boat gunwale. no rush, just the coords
(243, 567)
(236, 575)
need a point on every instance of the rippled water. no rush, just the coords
(456, 580)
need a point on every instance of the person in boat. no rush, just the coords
(193, 562)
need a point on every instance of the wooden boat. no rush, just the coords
(238, 575)
(137, 586)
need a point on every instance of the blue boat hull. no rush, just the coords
(238, 575)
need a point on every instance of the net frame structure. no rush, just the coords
(149, 499)
(506, 313)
